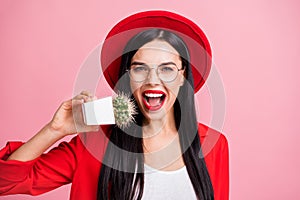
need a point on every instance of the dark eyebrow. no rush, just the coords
(168, 63)
(141, 63)
(137, 63)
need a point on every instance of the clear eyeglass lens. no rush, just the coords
(166, 73)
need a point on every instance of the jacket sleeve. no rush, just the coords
(216, 154)
(43, 174)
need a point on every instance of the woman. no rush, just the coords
(157, 68)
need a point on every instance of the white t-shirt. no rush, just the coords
(164, 185)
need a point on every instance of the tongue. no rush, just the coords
(154, 101)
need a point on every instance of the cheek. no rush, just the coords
(174, 86)
(135, 90)
(134, 87)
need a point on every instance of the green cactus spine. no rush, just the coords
(124, 110)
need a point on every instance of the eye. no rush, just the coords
(139, 68)
(166, 69)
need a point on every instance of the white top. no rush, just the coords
(166, 185)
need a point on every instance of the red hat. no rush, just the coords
(192, 35)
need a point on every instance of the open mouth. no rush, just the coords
(153, 99)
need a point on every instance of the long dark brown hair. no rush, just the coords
(121, 175)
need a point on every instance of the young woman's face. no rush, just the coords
(155, 96)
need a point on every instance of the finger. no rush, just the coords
(86, 97)
(89, 99)
(70, 103)
(77, 101)
(87, 93)
(82, 97)
(88, 128)
(95, 98)
(93, 128)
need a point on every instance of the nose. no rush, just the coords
(153, 78)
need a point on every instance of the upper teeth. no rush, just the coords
(153, 95)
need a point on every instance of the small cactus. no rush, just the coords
(124, 109)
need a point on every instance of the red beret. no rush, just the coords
(192, 35)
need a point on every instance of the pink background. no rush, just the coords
(256, 49)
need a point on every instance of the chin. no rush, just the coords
(157, 115)
(154, 115)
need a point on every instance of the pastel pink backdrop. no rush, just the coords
(256, 49)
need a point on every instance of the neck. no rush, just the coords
(160, 127)
(161, 144)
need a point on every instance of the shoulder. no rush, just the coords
(212, 141)
(214, 148)
(206, 132)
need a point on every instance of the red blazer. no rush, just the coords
(77, 162)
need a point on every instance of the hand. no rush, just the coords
(68, 118)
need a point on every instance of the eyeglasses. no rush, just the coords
(166, 72)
